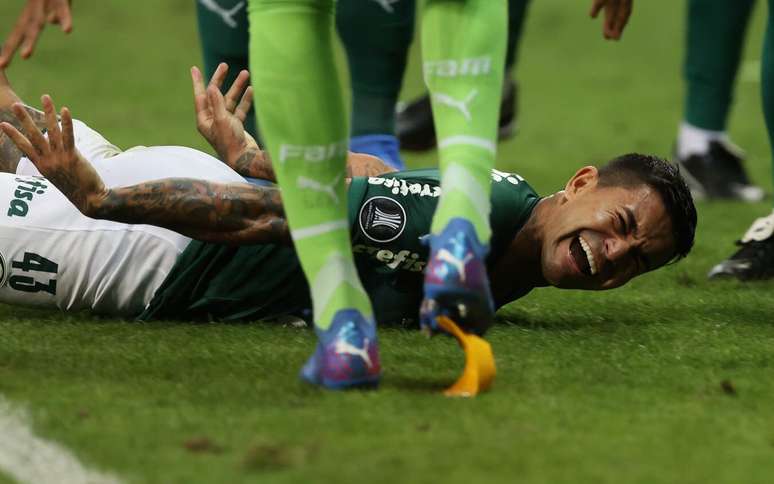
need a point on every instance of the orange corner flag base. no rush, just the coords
(479, 371)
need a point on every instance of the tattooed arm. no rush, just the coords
(255, 163)
(236, 213)
(232, 213)
(9, 153)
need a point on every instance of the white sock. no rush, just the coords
(695, 141)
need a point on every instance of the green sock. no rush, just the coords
(714, 42)
(767, 78)
(224, 35)
(376, 37)
(303, 120)
(463, 45)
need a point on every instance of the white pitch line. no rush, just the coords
(30, 459)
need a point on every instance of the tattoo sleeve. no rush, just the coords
(9, 153)
(255, 163)
(232, 213)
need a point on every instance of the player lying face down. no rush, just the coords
(605, 227)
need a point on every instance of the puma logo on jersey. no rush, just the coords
(328, 189)
(226, 15)
(23, 195)
(459, 264)
(343, 347)
(387, 5)
(313, 153)
(462, 106)
(477, 66)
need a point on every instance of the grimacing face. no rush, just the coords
(601, 237)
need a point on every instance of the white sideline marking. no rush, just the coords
(30, 459)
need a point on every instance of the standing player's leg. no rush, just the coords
(517, 12)
(304, 124)
(224, 35)
(376, 37)
(714, 41)
(415, 128)
(755, 257)
(463, 46)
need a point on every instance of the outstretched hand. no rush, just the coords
(220, 119)
(30, 24)
(617, 14)
(56, 156)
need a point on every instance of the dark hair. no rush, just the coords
(634, 169)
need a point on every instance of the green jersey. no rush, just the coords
(389, 216)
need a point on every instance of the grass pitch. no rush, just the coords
(666, 380)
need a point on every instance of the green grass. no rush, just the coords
(625, 386)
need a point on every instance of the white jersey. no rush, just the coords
(140, 164)
(51, 255)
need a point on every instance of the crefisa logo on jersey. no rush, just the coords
(382, 219)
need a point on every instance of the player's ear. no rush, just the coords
(584, 179)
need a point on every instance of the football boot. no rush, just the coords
(456, 283)
(755, 257)
(347, 354)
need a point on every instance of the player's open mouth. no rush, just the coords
(581, 253)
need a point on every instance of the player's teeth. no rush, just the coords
(589, 255)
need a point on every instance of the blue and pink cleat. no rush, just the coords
(456, 281)
(347, 354)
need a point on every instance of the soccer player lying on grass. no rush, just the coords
(607, 226)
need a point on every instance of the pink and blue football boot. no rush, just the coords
(347, 354)
(456, 281)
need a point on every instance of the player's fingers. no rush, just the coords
(200, 95)
(68, 135)
(30, 39)
(10, 46)
(63, 16)
(236, 90)
(596, 6)
(20, 141)
(216, 102)
(54, 134)
(624, 13)
(30, 130)
(608, 29)
(244, 104)
(197, 80)
(219, 75)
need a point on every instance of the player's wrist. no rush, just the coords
(98, 204)
(232, 154)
